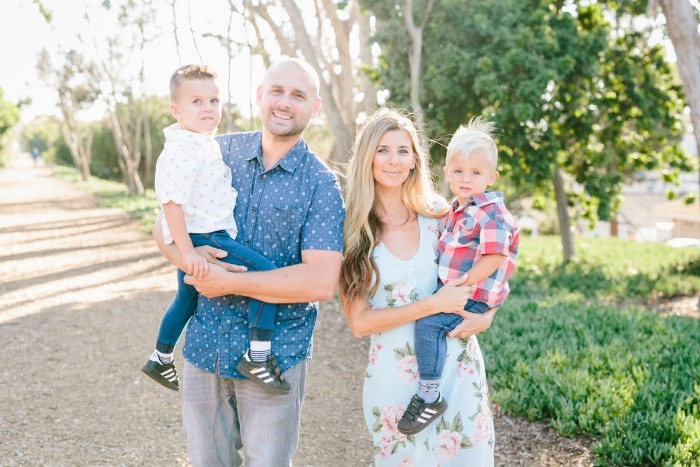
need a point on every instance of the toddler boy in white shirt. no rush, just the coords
(193, 186)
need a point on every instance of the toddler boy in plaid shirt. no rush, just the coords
(478, 237)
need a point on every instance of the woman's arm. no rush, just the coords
(364, 320)
(473, 323)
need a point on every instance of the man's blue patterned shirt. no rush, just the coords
(295, 205)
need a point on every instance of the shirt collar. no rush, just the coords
(175, 133)
(289, 162)
(487, 197)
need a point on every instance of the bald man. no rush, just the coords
(290, 210)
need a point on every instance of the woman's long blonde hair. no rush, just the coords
(359, 276)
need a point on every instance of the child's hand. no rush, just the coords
(195, 264)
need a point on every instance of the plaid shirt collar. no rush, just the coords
(482, 199)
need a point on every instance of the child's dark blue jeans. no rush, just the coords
(431, 342)
(261, 316)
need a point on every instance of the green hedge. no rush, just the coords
(564, 348)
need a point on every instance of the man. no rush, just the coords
(290, 210)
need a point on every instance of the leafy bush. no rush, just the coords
(562, 348)
(608, 269)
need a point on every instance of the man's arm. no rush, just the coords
(314, 279)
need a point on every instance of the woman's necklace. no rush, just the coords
(392, 214)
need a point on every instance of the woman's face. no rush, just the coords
(393, 159)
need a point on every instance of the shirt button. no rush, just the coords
(247, 242)
(252, 209)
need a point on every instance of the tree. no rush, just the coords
(581, 97)
(682, 28)
(323, 37)
(122, 86)
(9, 115)
(76, 93)
(416, 52)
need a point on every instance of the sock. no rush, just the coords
(164, 358)
(429, 390)
(260, 350)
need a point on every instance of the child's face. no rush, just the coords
(470, 175)
(197, 106)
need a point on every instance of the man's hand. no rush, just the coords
(213, 284)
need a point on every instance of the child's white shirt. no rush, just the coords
(191, 172)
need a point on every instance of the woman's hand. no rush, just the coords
(212, 255)
(473, 323)
(452, 297)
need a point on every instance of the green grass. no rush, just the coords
(564, 348)
(143, 208)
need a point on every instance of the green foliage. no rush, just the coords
(9, 115)
(572, 85)
(44, 133)
(564, 348)
(646, 271)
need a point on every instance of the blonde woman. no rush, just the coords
(388, 280)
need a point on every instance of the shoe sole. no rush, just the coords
(158, 378)
(424, 425)
(251, 377)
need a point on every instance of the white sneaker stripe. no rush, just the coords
(257, 370)
(263, 375)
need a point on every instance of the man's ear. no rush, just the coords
(316, 107)
(445, 171)
(259, 94)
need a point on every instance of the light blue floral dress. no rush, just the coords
(464, 435)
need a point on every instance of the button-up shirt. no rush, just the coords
(293, 206)
(190, 172)
(482, 225)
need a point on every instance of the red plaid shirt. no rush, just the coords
(481, 226)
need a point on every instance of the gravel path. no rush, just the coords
(81, 295)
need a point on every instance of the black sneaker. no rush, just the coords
(163, 373)
(266, 374)
(418, 415)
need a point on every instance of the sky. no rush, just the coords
(23, 33)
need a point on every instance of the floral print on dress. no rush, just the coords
(450, 438)
(401, 293)
(386, 421)
(373, 355)
(394, 378)
(407, 364)
(468, 363)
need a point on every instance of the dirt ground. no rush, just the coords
(81, 295)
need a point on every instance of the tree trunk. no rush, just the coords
(682, 28)
(148, 143)
(415, 55)
(369, 103)
(567, 239)
(80, 150)
(128, 158)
